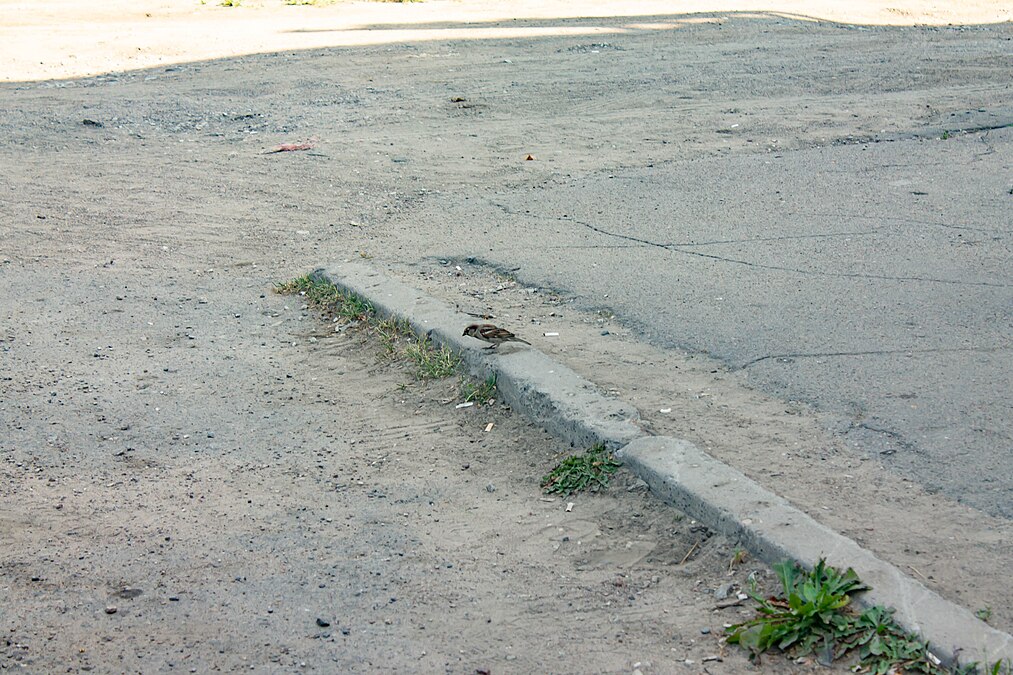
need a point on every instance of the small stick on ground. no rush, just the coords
(689, 553)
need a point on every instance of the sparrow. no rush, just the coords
(486, 332)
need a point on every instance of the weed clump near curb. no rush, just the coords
(483, 393)
(396, 337)
(814, 617)
(328, 297)
(590, 471)
(431, 363)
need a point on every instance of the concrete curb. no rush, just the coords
(546, 391)
(726, 500)
(676, 470)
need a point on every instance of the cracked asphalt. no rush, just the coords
(865, 273)
(870, 280)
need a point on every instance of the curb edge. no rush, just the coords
(714, 493)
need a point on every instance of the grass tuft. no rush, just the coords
(395, 335)
(431, 363)
(482, 393)
(328, 297)
(590, 471)
(392, 333)
(739, 556)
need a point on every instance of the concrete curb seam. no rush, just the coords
(714, 493)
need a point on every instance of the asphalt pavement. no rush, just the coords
(871, 280)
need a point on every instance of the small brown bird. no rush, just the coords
(486, 332)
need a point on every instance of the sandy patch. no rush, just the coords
(55, 39)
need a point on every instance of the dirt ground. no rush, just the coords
(227, 473)
(223, 469)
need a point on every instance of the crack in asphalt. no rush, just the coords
(567, 247)
(840, 275)
(985, 127)
(681, 248)
(901, 219)
(874, 352)
(787, 237)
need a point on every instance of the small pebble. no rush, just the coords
(110, 610)
(705, 631)
(490, 488)
(323, 623)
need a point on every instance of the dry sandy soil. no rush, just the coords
(223, 469)
(226, 473)
(72, 38)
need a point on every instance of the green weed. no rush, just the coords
(739, 556)
(354, 308)
(395, 335)
(479, 392)
(392, 333)
(814, 616)
(1001, 667)
(590, 471)
(328, 297)
(431, 363)
(809, 615)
